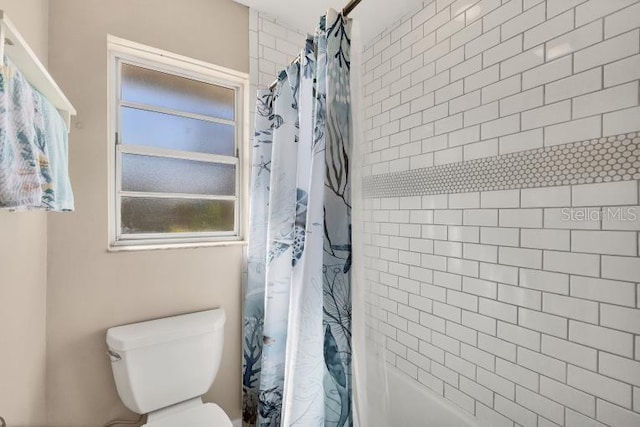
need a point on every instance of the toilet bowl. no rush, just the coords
(162, 368)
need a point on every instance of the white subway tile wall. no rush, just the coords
(521, 306)
(272, 45)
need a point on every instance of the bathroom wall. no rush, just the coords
(23, 258)
(502, 217)
(90, 289)
(272, 46)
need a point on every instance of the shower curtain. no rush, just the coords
(297, 303)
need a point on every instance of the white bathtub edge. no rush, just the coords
(414, 394)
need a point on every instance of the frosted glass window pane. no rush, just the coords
(159, 130)
(164, 175)
(150, 87)
(149, 215)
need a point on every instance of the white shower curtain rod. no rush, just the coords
(345, 12)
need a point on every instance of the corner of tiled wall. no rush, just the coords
(502, 216)
(272, 45)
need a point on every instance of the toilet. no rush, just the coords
(162, 368)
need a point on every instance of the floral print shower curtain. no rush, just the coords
(297, 313)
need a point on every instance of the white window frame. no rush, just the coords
(121, 50)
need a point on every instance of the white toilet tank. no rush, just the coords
(162, 362)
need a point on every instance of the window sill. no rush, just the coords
(165, 246)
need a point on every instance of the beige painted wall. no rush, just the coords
(32, 19)
(23, 261)
(90, 290)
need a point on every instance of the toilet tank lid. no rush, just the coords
(143, 334)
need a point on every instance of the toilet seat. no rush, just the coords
(207, 415)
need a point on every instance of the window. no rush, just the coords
(177, 129)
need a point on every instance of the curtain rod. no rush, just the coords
(345, 12)
(350, 6)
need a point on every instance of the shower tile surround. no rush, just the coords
(502, 211)
(272, 45)
(519, 305)
(609, 159)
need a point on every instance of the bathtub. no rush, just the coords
(413, 405)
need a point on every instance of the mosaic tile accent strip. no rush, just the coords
(614, 158)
